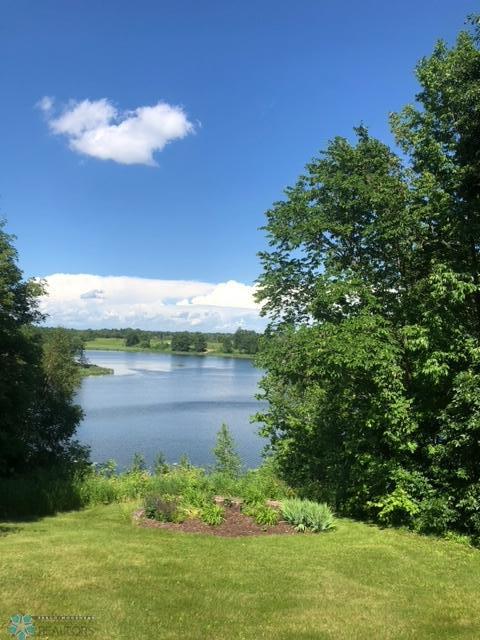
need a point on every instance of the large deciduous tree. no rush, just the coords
(38, 416)
(371, 283)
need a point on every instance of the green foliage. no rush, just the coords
(372, 286)
(396, 508)
(97, 488)
(160, 465)
(308, 515)
(200, 343)
(106, 469)
(254, 486)
(162, 508)
(38, 378)
(138, 463)
(263, 515)
(132, 338)
(246, 341)
(227, 459)
(259, 485)
(181, 341)
(227, 344)
(184, 462)
(212, 514)
(39, 493)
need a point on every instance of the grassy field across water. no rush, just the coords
(355, 582)
(118, 344)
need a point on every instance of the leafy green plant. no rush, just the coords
(396, 508)
(306, 514)
(212, 514)
(107, 469)
(318, 516)
(138, 463)
(162, 508)
(160, 465)
(264, 483)
(191, 513)
(263, 515)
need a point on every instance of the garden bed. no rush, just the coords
(235, 524)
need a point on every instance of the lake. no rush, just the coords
(174, 404)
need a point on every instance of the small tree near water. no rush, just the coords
(227, 459)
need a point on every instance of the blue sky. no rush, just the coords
(257, 89)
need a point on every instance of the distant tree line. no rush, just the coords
(242, 341)
(186, 341)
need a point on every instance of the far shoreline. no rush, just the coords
(237, 356)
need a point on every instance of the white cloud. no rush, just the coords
(96, 128)
(45, 104)
(91, 301)
(226, 294)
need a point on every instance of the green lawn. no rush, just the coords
(356, 582)
(109, 344)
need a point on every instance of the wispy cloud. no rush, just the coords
(96, 128)
(84, 300)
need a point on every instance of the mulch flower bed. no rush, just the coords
(235, 524)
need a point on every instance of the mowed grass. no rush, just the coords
(109, 344)
(356, 582)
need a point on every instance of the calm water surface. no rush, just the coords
(175, 404)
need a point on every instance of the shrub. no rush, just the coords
(396, 508)
(293, 511)
(306, 514)
(191, 513)
(263, 484)
(176, 481)
(107, 469)
(263, 515)
(160, 465)
(435, 516)
(99, 489)
(212, 514)
(163, 508)
(224, 485)
(138, 463)
(318, 516)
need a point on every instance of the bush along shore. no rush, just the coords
(224, 500)
(94, 370)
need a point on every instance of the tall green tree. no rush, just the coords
(200, 343)
(227, 344)
(371, 283)
(38, 416)
(246, 341)
(132, 338)
(181, 341)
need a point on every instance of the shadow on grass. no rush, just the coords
(25, 498)
(7, 529)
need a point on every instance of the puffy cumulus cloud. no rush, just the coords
(96, 128)
(91, 301)
(94, 293)
(226, 294)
